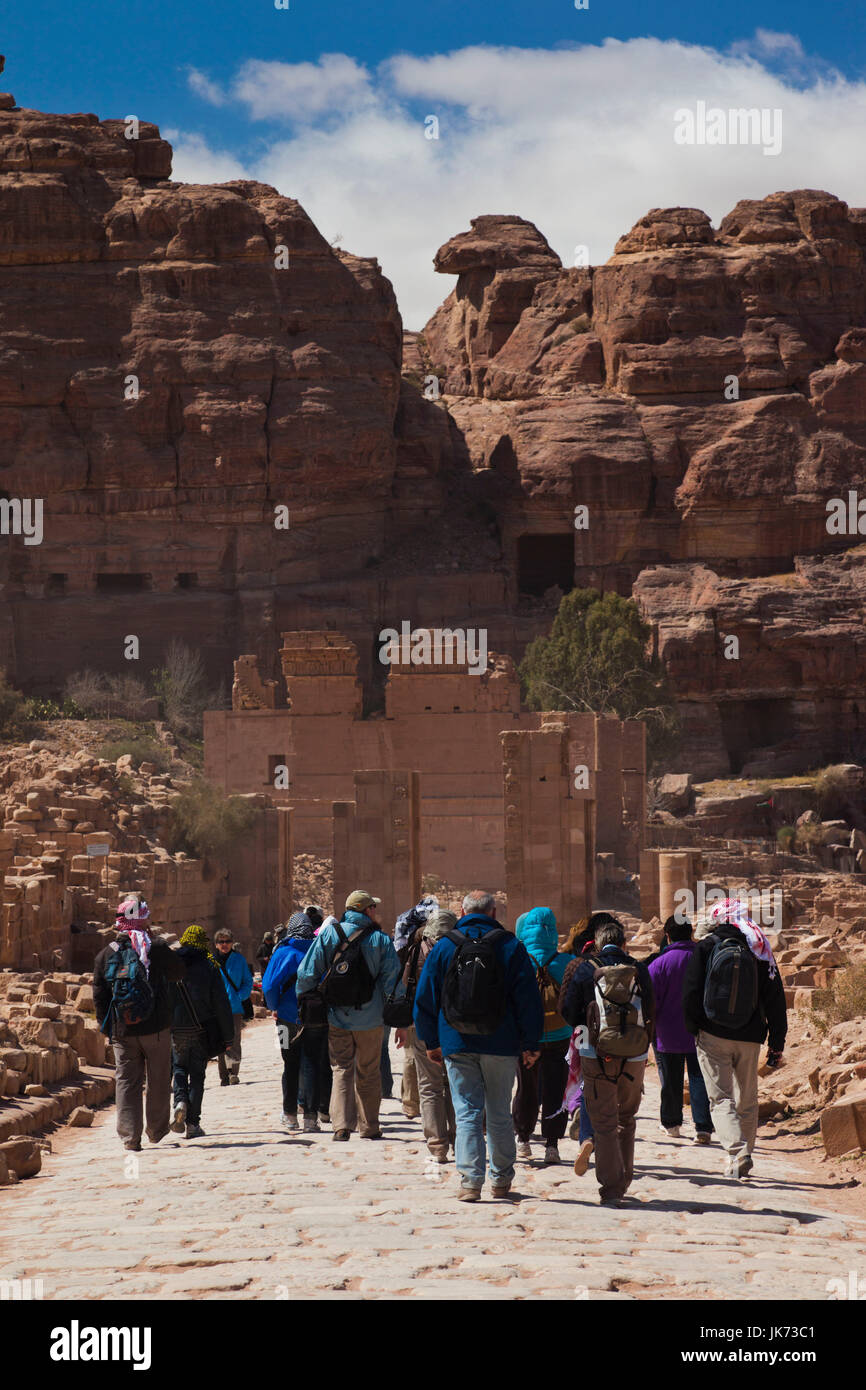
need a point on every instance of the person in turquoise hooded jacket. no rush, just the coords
(544, 1082)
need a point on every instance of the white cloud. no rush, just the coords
(578, 140)
(195, 161)
(303, 91)
(209, 91)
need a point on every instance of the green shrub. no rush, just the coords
(51, 709)
(141, 749)
(785, 837)
(843, 1001)
(13, 711)
(206, 823)
(596, 658)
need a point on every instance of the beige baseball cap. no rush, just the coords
(360, 900)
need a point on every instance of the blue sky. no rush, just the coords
(561, 115)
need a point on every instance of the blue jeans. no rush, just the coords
(671, 1065)
(585, 1121)
(481, 1085)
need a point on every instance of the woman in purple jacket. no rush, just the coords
(674, 1044)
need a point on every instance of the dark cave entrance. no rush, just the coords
(543, 561)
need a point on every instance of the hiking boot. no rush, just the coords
(469, 1194)
(745, 1166)
(178, 1120)
(133, 1146)
(672, 1131)
(581, 1163)
(224, 1081)
(551, 1155)
(377, 1135)
(501, 1191)
(289, 1122)
(156, 1138)
(311, 1125)
(524, 1149)
(324, 1117)
(194, 1132)
(610, 1201)
(234, 1079)
(341, 1136)
(703, 1136)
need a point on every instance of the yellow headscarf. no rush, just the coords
(197, 936)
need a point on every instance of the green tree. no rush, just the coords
(596, 658)
(206, 823)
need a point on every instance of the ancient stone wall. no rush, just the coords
(376, 844)
(443, 723)
(549, 824)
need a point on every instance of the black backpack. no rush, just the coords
(348, 983)
(473, 992)
(731, 983)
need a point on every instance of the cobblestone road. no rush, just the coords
(249, 1212)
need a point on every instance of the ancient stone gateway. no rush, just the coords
(314, 751)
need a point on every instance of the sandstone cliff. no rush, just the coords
(177, 361)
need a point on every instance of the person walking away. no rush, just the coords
(201, 1023)
(265, 951)
(131, 996)
(407, 929)
(296, 1041)
(544, 1083)
(674, 1044)
(238, 981)
(579, 942)
(434, 1094)
(732, 998)
(351, 969)
(478, 1008)
(609, 999)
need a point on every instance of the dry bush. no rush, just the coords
(843, 1001)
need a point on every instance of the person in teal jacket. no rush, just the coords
(238, 980)
(544, 1082)
(355, 1034)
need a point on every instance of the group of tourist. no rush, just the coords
(496, 1027)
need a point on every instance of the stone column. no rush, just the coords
(376, 842)
(548, 825)
(649, 884)
(677, 871)
(285, 897)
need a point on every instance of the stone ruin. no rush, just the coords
(452, 779)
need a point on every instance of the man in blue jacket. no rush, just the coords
(482, 1066)
(302, 1048)
(238, 980)
(355, 1033)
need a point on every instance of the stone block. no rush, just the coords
(23, 1156)
(843, 1125)
(81, 1117)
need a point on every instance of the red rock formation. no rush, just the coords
(258, 386)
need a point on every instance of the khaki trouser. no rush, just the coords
(409, 1097)
(357, 1087)
(613, 1102)
(229, 1062)
(730, 1069)
(437, 1109)
(136, 1058)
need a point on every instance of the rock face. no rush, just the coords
(179, 361)
(702, 396)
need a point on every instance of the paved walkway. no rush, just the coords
(249, 1212)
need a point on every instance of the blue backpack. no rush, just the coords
(132, 998)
